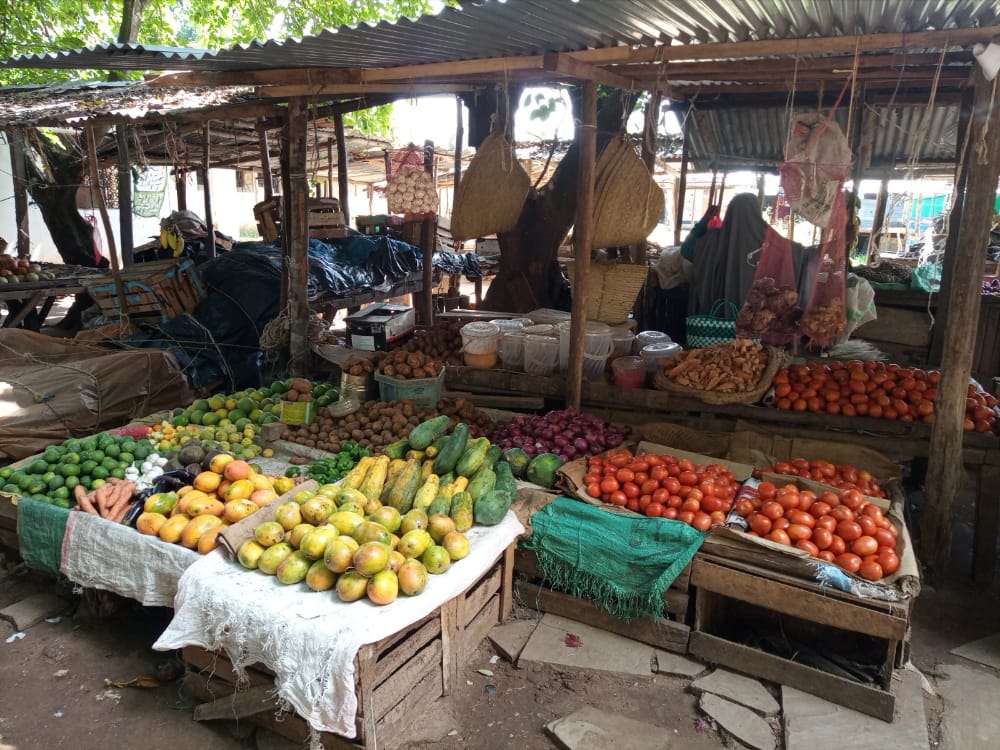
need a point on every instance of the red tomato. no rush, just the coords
(638, 466)
(759, 523)
(797, 532)
(801, 517)
(885, 539)
(849, 530)
(631, 490)
(718, 517)
(670, 513)
(772, 510)
(788, 500)
(675, 501)
(707, 488)
(618, 498)
(849, 562)
(822, 538)
(687, 516)
(867, 525)
(609, 484)
(660, 495)
(672, 485)
(826, 522)
(808, 546)
(695, 494)
(830, 498)
(820, 508)
(780, 537)
(594, 490)
(864, 546)
(702, 521)
(619, 460)
(641, 476)
(767, 490)
(889, 561)
(825, 554)
(870, 570)
(644, 501)
(625, 475)
(632, 504)
(744, 507)
(688, 478)
(655, 510)
(842, 513)
(659, 473)
(852, 499)
(837, 545)
(691, 505)
(711, 504)
(781, 523)
(592, 477)
(649, 487)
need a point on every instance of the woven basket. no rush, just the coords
(776, 359)
(612, 289)
(492, 192)
(627, 201)
(705, 330)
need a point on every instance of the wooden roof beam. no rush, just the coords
(559, 63)
(271, 77)
(333, 89)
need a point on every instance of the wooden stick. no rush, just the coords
(206, 168)
(343, 185)
(102, 207)
(297, 231)
(583, 228)
(23, 240)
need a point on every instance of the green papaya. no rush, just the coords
(473, 457)
(482, 482)
(542, 469)
(425, 433)
(490, 509)
(518, 461)
(449, 456)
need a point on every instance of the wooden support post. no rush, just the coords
(946, 471)
(342, 164)
(682, 188)
(330, 147)
(878, 221)
(722, 191)
(23, 239)
(265, 164)
(124, 195)
(459, 137)
(206, 169)
(760, 189)
(583, 228)
(102, 208)
(297, 230)
(180, 185)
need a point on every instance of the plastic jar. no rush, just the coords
(629, 372)
(512, 349)
(540, 329)
(651, 353)
(480, 343)
(621, 342)
(510, 324)
(541, 354)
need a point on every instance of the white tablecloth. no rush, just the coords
(310, 639)
(101, 554)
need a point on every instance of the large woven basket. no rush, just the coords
(612, 289)
(627, 201)
(776, 359)
(492, 191)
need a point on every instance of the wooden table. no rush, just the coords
(329, 304)
(981, 452)
(35, 298)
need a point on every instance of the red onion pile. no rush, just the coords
(567, 433)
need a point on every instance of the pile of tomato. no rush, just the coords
(842, 528)
(663, 486)
(841, 476)
(874, 389)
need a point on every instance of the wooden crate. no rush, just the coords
(396, 678)
(8, 524)
(268, 216)
(165, 288)
(669, 633)
(738, 606)
(326, 220)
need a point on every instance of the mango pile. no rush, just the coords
(226, 491)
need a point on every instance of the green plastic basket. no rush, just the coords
(424, 392)
(706, 330)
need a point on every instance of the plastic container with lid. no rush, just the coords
(541, 354)
(540, 329)
(510, 324)
(597, 342)
(629, 372)
(644, 338)
(651, 353)
(480, 343)
(594, 366)
(621, 341)
(512, 349)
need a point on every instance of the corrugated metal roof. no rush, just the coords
(749, 137)
(490, 28)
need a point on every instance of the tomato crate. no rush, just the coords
(166, 289)
(670, 632)
(779, 628)
(396, 678)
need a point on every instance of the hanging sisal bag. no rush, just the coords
(492, 192)
(627, 201)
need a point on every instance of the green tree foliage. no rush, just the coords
(40, 26)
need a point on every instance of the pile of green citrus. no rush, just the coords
(89, 461)
(253, 406)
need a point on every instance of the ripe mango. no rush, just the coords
(288, 515)
(320, 577)
(313, 544)
(249, 554)
(273, 557)
(383, 588)
(352, 586)
(150, 523)
(210, 539)
(293, 569)
(196, 527)
(173, 528)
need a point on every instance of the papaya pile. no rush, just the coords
(227, 490)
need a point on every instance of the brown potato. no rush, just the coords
(419, 372)
(390, 371)
(403, 370)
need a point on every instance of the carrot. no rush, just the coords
(101, 497)
(83, 500)
(119, 498)
(119, 513)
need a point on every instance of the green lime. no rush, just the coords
(126, 458)
(60, 492)
(48, 475)
(72, 445)
(12, 489)
(70, 470)
(109, 463)
(38, 466)
(99, 473)
(86, 482)
(118, 473)
(36, 487)
(141, 451)
(51, 456)
(97, 483)
(63, 502)
(6, 472)
(72, 482)
(97, 456)
(88, 466)
(199, 404)
(24, 481)
(89, 444)
(56, 482)
(112, 451)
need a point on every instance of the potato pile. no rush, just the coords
(378, 423)
(403, 364)
(443, 342)
(358, 367)
(301, 390)
(734, 367)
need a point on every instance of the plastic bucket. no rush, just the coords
(480, 343)
(652, 353)
(629, 372)
(621, 342)
(424, 392)
(541, 354)
(593, 366)
(512, 349)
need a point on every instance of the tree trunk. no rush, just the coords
(529, 276)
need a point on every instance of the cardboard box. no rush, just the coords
(379, 326)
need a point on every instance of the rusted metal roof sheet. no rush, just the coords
(490, 28)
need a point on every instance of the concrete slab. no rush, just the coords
(985, 651)
(677, 665)
(740, 722)
(971, 716)
(593, 729)
(510, 639)
(738, 688)
(33, 609)
(591, 648)
(812, 723)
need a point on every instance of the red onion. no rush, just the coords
(565, 433)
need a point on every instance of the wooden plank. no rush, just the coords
(507, 585)
(218, 665)
(276, 77)
(392, 726)
(238, 705)
(451, 644)
(662, 633)
(907, 327)
(389, 662)
(367, 707)
(13, 321)
(475, 599)
(343, 186)
(477, 630)
(795, 601)
(206, 170)
(337, 89)
(556, 62)
(102, 209)
(984, 554)
(945, 473)
(843, 692)
(583, 233)
(124, 194)
(393, 690)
